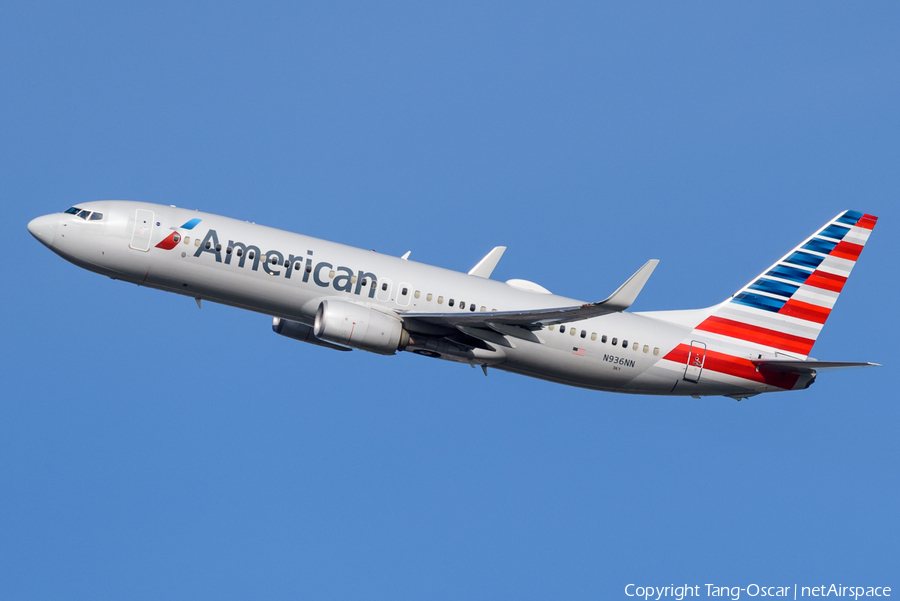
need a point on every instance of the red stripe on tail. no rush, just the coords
(757, 335)
(826, 281)
(846, 250)
(867, 221)
(806, 311)
(735, 366)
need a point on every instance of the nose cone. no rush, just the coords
(44, 228)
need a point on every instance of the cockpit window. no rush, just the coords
(98, 216)
(84, 214)
(73, 211)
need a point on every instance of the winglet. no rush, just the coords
(623, 298)
(485, 267)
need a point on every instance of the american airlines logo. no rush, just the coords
(277, 263)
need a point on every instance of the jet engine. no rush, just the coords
(359, 327)
(302, 332)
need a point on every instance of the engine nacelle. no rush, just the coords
(302, 332)
(359, 327)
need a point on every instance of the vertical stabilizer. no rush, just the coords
(785, 307)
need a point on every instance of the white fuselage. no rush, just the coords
(204, 264)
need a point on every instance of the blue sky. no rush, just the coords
(151, 450)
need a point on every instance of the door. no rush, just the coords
(404, 292)
(143, 230)
(383, 293)
(696, 359)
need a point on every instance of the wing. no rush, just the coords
(534, 319)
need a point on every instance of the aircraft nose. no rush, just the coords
(44, 228)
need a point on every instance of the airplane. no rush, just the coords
(345, 298)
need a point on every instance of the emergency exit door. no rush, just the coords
(696, 359)
(143, 230)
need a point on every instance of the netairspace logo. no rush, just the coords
(678, 593)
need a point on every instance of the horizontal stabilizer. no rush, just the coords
(790, 366)
(485, 267)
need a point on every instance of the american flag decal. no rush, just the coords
(578, 351)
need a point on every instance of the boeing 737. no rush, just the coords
(344, 298)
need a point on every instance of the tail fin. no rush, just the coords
(787, 305)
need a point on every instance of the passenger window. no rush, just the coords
(483, 308)
(187, 240)
(603, 339)
(551, 328)
(384, 286)
(218, 248)
(298, 266)
(250, 255)
(229, 249)
(98, 217)
(208, 245)
(624, 344)
(274, 260)
(429, 297)
(365, 282)
(176, 238)
(197, 242)
(593, 335)
(404, 292)
(615, 341)
(352, 278)
(573, 331)
(240, 252)
(584, 333)
(472, 307)
(655, 351)
(462, 305)
(287, 262)
(416, 294)
(635, 347)
(562, 329)
(84, 214)
(331, 274)
(440, 300)
(450, 302)
(646, 349)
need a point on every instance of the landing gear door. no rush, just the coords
(143, 230)
(696, 359)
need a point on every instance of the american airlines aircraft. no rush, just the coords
(344, 298)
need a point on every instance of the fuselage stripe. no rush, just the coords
(756, 334)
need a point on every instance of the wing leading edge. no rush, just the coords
(533, 319)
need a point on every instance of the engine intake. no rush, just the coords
(359, 327)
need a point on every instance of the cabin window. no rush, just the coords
(573, 331)
(635, 347)
(462, 305)
(655, 351)
(615, 341)
(472, 307)
(428, 297)
(331, 274)
(551, 328)
(250, 255)
(218, 248)
(646, 349)
(483, 308)
(187, 239)
(298, 265)
(273, 260)
(176, 238)
(440, 300)
(416, 294)
(624, 344)
(562, 329)
(384, 286)
(229, 249)
(584, 333)
(208, 245)
(197, 242)
(365, 282)
(404, 292)
(603, 339)
(593, 335)
(352, 279)
(287, 262)
(263, 258)
(450, 302)
(308, 268)
(240, 252)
